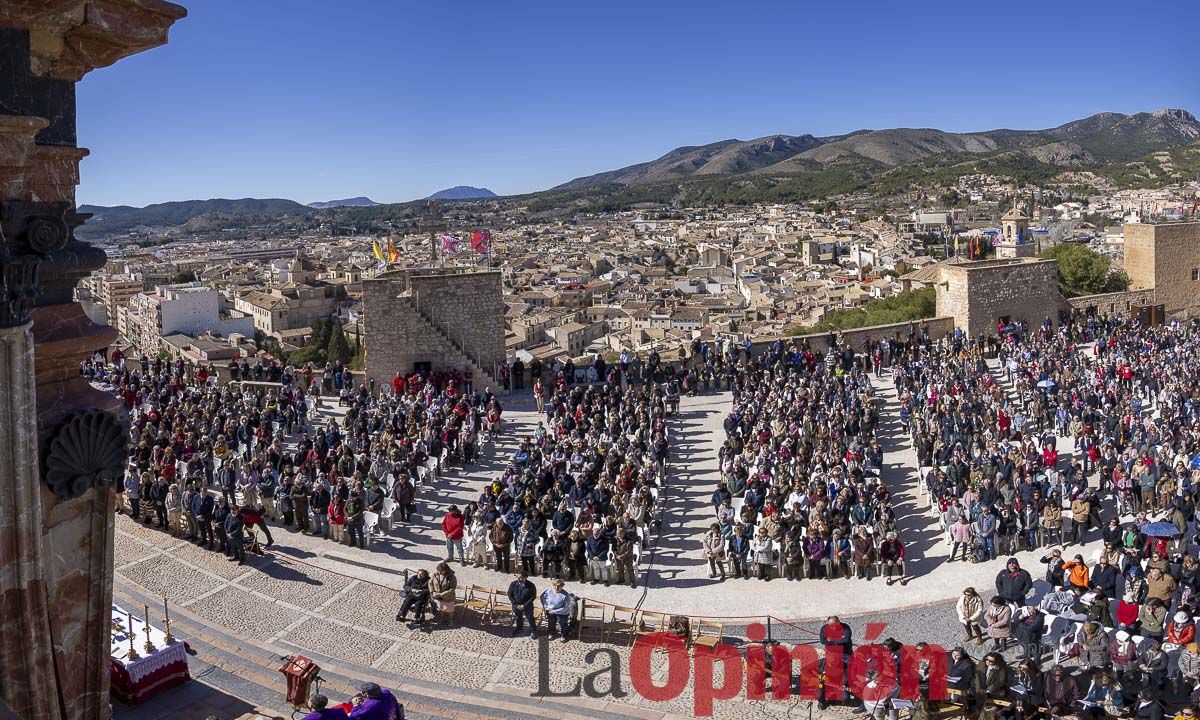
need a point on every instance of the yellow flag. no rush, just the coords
(376, 249)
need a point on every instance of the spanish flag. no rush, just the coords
(377, 250)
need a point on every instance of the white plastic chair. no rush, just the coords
(370, 525)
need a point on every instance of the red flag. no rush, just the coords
(481, 241)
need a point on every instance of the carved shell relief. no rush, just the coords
(88, 451)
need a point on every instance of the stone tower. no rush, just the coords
(1015, 240)
(435, 319)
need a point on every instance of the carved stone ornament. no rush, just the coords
(88, 451)
(30, 233)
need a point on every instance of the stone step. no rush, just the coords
(255, 666)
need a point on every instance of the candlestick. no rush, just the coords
(170, 639)
(148, 646)
(133, 653)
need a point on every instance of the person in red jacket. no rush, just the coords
(452, 526)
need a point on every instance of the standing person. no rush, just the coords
(220, 515)
(441, 590)
(355, 520)
(970, 613)
(132, 485)
(597, 555)
(318, 503)
(526, 546)
(623, 558)
(762, 551)
(835, 634)
(337, 519)
(453, 525)
(502, 537)
(234, 541)
(404, 493)
(1013, 583)
(999, 623)
(204, 515)
(521, 595)
(714, 551)
(556, 605)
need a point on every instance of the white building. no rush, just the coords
(188, 309)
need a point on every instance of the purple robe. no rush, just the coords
(333, 713)
(385, 707)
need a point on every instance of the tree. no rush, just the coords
(338, 349)
(185, 276)
(1084, 272)
(901, 307)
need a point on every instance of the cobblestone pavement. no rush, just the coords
(338, 603)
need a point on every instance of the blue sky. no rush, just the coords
(320, 100)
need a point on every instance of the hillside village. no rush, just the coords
(595, 284)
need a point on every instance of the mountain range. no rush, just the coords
(359, 201)
(1125, 150)
(1105, 137)
(462, 192)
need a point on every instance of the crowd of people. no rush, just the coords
(577, 498)
(800, 495)
(217, 462)
(1121, 622)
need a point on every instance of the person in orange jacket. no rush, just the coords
(1077, 574)
(1181, 630)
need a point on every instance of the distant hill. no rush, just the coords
(359, 201)
(725, 157)
(1101, 138)
(462, 192)
(123, 218)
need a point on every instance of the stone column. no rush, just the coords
(62, 443)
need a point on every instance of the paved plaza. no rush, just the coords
(337, 604)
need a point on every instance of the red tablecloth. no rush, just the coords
(135, 680)
(127, 691)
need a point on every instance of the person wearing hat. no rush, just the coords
(375, 703)
(1181, 630)
(1013, 583)
(1122, 653)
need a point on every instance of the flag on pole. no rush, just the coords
(481, 241)
(393, 255)
(377, 250)
(449, 244)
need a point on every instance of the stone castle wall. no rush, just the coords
(1117, 303)
(858, 338)
(451, 320)
(1163, 257)
(978, 294)
(467, 306)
